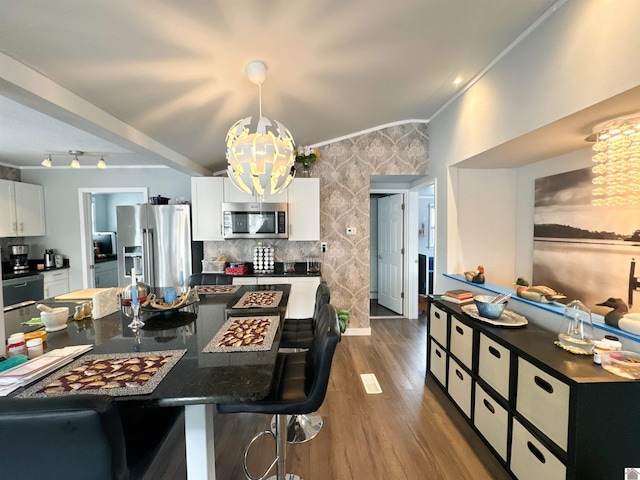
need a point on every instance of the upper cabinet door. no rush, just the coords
(8, 208)
(304, 209)
(30, 213)
(206, 197)
(233, 194)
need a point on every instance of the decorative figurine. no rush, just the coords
(620, 309)
(538, 293)
(476, 276)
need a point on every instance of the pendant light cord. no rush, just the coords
(260, 97)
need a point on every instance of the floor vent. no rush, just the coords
(370, 383)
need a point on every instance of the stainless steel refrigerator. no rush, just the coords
(156, 240)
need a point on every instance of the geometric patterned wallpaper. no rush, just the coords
(344, 169)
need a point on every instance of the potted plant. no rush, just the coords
(344, 317)
(306, 156)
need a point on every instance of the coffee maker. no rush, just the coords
(18, 258)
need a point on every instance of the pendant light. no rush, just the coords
(260, 154)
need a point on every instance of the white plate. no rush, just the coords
(507, 319)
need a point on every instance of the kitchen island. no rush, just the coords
(198, 380)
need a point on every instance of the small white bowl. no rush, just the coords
(55, 320)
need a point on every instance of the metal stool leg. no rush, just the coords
(300, 428)
(281, 453)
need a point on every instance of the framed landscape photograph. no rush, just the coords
(585, 252)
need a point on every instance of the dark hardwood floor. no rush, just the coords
(410, 431)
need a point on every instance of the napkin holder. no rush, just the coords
(105, 302)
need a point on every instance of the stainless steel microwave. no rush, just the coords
(255, 220)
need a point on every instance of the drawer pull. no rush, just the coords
(459, 375)
(543, 384)
(495, 352)
(438, 354)
(536, 453)
(459, 330)
(488, 405)
(436, 314)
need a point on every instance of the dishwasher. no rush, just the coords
(22, 289)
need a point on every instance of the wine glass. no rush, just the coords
(136, 322)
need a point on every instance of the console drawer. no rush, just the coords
(438, 325)
(544, 401)
(459, 386)
(493, 366)
(530, 460)
(438, 363)
(492, 421)
(461, 342)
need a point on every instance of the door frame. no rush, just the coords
(86, 237)
(410, 242)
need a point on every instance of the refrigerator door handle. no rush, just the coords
(147, 235)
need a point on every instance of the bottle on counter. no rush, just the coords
(34, 348)
(16, 345)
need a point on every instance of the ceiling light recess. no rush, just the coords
(260, 156)
(617, 158)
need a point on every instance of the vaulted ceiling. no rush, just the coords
(161, 82)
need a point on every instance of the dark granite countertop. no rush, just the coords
(299, 270)
(8, 273)
(198, 377)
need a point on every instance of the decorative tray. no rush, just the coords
(217, 289)
(507, 319)
(259, 299)
(244, 334)
(160, 309)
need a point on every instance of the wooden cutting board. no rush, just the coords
(82, 294)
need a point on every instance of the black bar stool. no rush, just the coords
(299, 386)
(297, 334)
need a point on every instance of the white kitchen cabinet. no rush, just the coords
(304, 209)
(56, 282)
(302, 297)
(22, 205)
(235, 195)
(106, 274)
(206, 200)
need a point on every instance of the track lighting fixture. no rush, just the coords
(75, 162)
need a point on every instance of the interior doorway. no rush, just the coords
(91, 220)
(416, 191)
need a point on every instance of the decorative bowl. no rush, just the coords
(55, 320)
(487, 309)
(622, 363)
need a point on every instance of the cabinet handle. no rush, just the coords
(438, 354)
(459, 330)
(536, 453)
(494, 351)
(436, 314)
(459, 375)
(543, 384)
(488, 405)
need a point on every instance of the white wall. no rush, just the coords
(581, 55)
(61, 201)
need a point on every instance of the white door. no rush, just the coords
(390, 241)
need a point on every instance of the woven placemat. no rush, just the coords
(244, 334)
(217, 289)
(575, 351)
(259, 299)
(115, 374)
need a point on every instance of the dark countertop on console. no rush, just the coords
(535, 344)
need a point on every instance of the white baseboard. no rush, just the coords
(358, 332)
